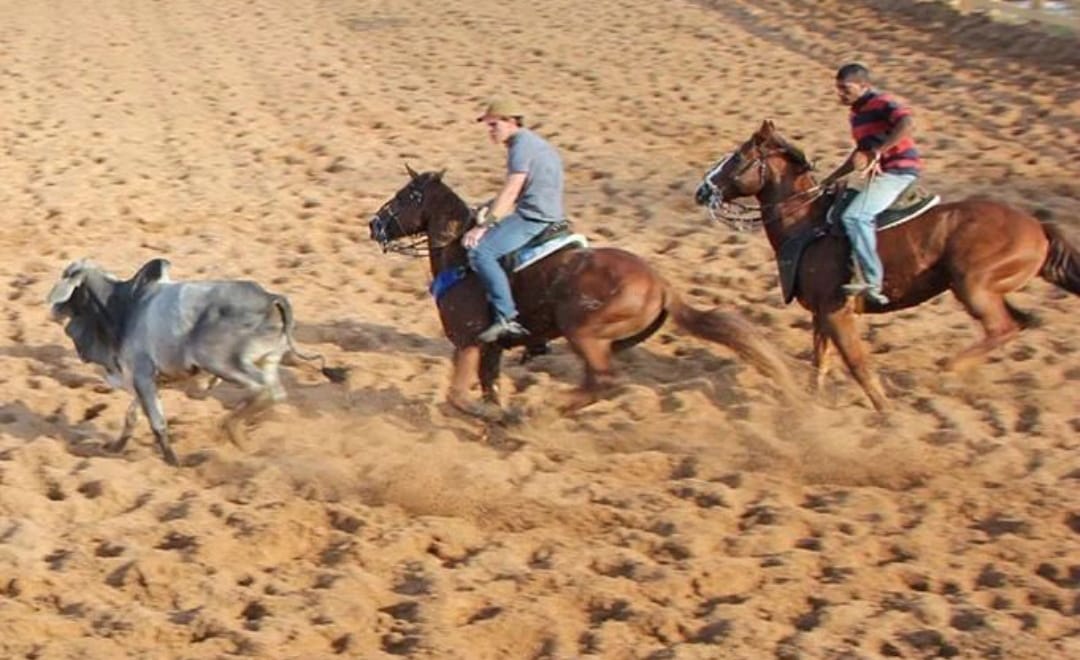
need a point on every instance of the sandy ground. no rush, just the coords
(691, 516)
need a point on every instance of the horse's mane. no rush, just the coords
(794, 152)
(436, 178)
(432, 182)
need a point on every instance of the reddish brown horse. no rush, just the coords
(980, 249)
(602, 300)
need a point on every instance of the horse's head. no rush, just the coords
(748, 171)
(404, 214)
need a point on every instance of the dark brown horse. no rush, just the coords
(602, 300)
(980, 249)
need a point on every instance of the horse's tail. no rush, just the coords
(732, 330)
(333, 374)
(1062, 265)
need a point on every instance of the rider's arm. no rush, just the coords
(903, 127)
(847, 167)
(507, 197)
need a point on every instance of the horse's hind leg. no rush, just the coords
(841, 328)
(599, 376)
(998, 321)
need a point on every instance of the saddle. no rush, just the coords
(555, 237)
(910, 204)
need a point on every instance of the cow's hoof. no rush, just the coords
(234, 430)
(170, 458)
(116, 447)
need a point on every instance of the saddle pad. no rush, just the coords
(530, 254)
(896, 216)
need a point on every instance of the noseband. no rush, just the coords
(417, 247)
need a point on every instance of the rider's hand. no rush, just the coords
(472, 237)
(868, 163)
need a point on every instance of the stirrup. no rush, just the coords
(502, 328)
(868, 290)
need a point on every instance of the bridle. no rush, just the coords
(417, 247)
(745, 217)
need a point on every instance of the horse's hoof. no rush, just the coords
(487, 411)
(577, 402)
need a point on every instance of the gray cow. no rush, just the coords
(150, 329)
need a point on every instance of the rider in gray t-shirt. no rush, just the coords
(542, 197)
(529, 201)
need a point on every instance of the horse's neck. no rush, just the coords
(786, 209)
(444, 243)
(448, 256)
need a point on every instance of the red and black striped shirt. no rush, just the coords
(872, 117)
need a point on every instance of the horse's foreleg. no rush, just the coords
(490, 363)
(841, 329)
(466, 366)
(821, 353)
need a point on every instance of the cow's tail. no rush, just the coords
(333, 374)
(733, 330)
(1062, 265)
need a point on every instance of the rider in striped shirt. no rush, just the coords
(885, 154)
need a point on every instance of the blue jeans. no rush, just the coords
(880, 192)
(511, 233)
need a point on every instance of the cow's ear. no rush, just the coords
(65, 288)
(154, 270)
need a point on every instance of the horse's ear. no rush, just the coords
(411, 171)
(439, 174)
(767, 130)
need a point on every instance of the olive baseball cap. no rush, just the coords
(501, 107)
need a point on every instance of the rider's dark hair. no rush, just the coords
(853, 71)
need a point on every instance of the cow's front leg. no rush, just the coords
(130, 417)
(146, 391)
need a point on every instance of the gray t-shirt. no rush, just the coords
(542, 196)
